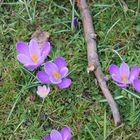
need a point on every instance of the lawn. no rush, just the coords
(82, 106)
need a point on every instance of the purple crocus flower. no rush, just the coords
(43, 91)
(122, 74)
(64, 134)
(32, 55)
(55, 73)
(74, 23)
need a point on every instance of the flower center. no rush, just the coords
(43, 91)
(56, 74)
(34, 58)
(124, 78)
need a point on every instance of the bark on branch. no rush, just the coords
(93, 60)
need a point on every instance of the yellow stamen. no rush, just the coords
(124, 78)
(56, 75)
(34, 58)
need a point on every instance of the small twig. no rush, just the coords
(93, 60)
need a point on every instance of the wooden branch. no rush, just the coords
(93, 60)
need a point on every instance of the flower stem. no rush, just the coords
(40, 110)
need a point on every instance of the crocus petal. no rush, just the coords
(34, 48)
(65, 132)
(46, 49)
(50, 68)
(24, 59)
(60, 62)
(136, 85)
(65, 83)
(114, 72)
(64, 72)
(55, 135)
(124, 69)
(117, 78)
(113, 69)
(40, 60)
(47, 138)
(122, 85)
(39, 88)
(43, 77)
(22, 48)
(31, 66)
(134, 73)
(48, 91)
(44, 87)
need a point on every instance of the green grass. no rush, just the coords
(81, 107)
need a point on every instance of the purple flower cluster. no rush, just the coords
(124, 77)
(32, 55)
